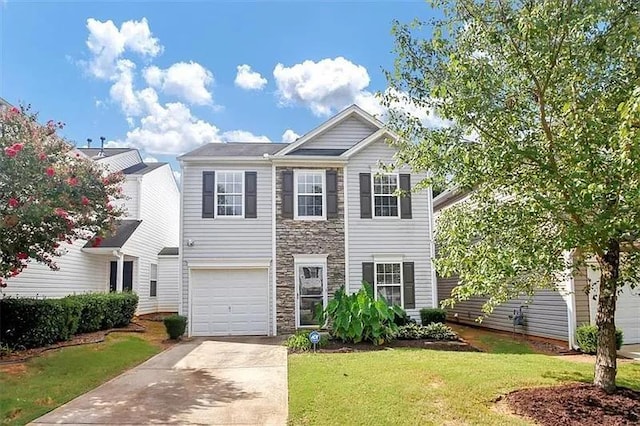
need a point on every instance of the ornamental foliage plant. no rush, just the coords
(50, 194)
(540, 105)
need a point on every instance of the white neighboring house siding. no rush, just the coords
(78, 273)
(120, 161)
(223, 237)
(168, 284)
(160, 215)
(388, 236)
(130, 202)
(343, 136)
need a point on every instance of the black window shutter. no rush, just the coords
(251, 194)
(332, 194)
(409, 285)
(405, 200)
(208, 194)
(367, 273)
(287, 194)
(365, 195)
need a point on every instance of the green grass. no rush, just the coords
(423, 387)
(55, 378)
(498, 344)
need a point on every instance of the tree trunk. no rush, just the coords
(605, 371)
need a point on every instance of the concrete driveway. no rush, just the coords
(201, 382)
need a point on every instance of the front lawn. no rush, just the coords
(29, 390)
(405, 386)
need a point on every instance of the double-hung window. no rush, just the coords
(153, 280)
(309, 194)
(230, 194)
(388, 282)
(385, 200)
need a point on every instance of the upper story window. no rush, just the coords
(385, 202)
(309, 194)
(229, 193)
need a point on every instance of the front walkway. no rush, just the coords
(630, 351)
(200, 382)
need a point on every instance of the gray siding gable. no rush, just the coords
(342, 136)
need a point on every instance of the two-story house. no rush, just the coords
(269, 231)
(139, 256)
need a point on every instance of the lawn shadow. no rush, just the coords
(568, 376)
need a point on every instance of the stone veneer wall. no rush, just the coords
(305, 237)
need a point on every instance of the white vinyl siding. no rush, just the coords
(215, 239)
(130, 203)
(168, 284)
(545, 314)
(78, 273)
(408, 238)
(160, 215)
(115, 163)
(343, 136)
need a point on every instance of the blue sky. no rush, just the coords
(164, 77)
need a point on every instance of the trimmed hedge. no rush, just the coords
(175, 325)
(587, 337)
(29, 323)
(431, 315)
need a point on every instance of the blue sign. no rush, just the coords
(314, 337)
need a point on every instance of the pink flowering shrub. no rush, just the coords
(48, 193)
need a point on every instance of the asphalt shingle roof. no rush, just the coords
(169, 251)
(108, 152)
(124, 230)
(236, 149)
(142, 168)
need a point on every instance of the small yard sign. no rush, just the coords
(314, 338)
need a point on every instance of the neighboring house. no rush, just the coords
(550, 313)
(269, 231)
(134, 258)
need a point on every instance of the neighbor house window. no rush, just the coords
(229, 193)
(388, 281)
(153, 280)
(385, 202)
(309, 194)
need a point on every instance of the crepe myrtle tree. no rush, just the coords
(49, 193)
(543, 102)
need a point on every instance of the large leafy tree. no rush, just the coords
(50, 194)
(543, 99)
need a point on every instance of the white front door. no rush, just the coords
(228, 302)
(311, 291)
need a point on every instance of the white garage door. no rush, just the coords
(628, 314)
(229, 302)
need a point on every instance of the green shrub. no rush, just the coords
(30, 322)
(402, 318)
(175, 325)
(300, 341)
(587, 337)
(431, 315)
(359, 317)
(433, 331)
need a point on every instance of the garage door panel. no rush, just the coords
(628, 314)
(230, 302)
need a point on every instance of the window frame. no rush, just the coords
(375, 278)
(297, 173)
(215, 194)
(151, 280)
(373, 194)
(301, 261)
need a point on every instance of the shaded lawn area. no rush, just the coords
(41, 384)
(406, 386)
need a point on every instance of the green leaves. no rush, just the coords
(360, 317)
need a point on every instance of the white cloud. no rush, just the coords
(122, 90)
(188, 81)
(324, 86)
(248, 79)
(289, 136)
(150, 159)
(107, 43)
(243, 136)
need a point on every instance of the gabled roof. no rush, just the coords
(318, 151)
(124, 230)
(352, 111)
(108, 152)
(235, 149)
(142, 168)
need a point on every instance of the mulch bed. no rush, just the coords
(577, 404)
(78, 339)
(335, 346)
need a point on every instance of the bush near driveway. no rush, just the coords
(587, 337)
(30, 323)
